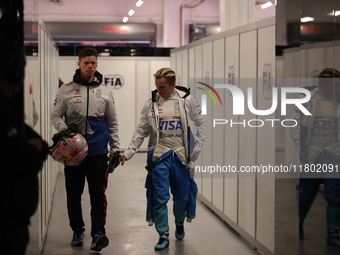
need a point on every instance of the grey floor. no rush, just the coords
(127, 229)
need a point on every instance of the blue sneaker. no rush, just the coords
(179, 233)
(78, 238)
(163, 242)
(333, 239)
(99, 241)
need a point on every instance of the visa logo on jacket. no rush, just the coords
(170, 125)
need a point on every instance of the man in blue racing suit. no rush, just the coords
(165, 118)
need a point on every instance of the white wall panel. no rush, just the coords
(191, 71)
(231, 140)
(32, 79)
(279, 130)
(185, 68)
(332, 56)
(173, 61)
(32, 91)
(67, 68)
(41, 83)
(142, 94)
(218, 131)
(288, 70)
(179, 68)
(303, 67)
(337, 60)
(247, 142)
(208, 146)
(265, 206)
(316, 62)
(125, 98)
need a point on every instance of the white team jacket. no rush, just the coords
(149, 125)
(91, 107)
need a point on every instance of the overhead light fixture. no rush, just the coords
(266, 5)
(334, 13)
(131, 12)
(139, 3)
(125, 19)
(306, 19)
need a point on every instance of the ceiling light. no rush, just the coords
(131, 12)
(306, 19)
(139, 3)
(125, 19)
(266, 5)
(334, 13)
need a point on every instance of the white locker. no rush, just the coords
(265, 192)
(178, 68)
(247, 142)
(208, 146)
(218, 131)
(125, 108)
(185, 68)
(231, 137)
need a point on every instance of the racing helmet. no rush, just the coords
(69, 148)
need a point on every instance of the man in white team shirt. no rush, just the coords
(165, 118)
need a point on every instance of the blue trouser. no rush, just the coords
(170, 172)
(308, 191)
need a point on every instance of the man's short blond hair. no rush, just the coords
(167, 73)
(329, 73)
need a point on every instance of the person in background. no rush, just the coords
(165, 118)
(317, 140)
(23, 153)
(89, 104)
